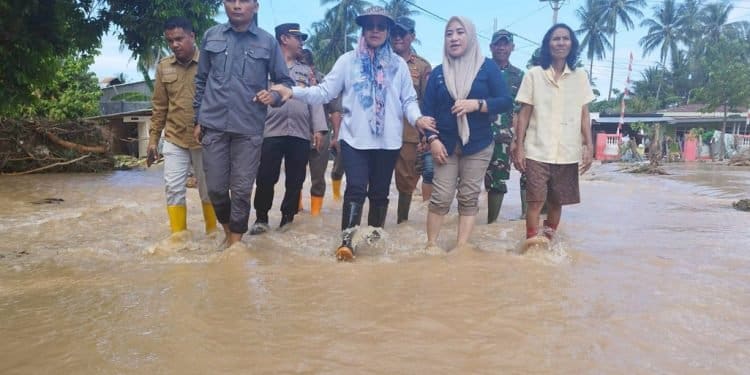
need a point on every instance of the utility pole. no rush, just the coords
(555, 5)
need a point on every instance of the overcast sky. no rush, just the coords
(529, 19)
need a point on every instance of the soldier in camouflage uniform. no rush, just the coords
(502, 128)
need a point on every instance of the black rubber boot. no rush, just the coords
(376, 215)
(285, 221)
(494, 203)
(350, 218)
(404, 202)
(351, 215)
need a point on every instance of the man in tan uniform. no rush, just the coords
(172, 112)
(407, 176)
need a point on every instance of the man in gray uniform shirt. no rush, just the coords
(287, 136)
(230, 109)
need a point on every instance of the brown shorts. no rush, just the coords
(556, 183)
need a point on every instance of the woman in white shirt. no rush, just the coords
(376, 92)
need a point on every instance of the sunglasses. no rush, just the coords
(398, 33)
(374, 26)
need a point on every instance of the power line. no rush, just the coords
(436, 16)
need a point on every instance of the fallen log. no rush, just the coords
(48, 166)
(72, 146)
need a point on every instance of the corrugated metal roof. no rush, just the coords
(140, 112)
(633, 119)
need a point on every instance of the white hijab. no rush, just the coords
(459, 72)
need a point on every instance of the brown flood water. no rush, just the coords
(652, 275)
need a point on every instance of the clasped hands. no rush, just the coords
(266, 96)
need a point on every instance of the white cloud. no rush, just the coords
(111, 61)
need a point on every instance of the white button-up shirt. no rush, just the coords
(400, 102)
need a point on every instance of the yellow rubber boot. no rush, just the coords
(177, 218)
(315, 205)
(209, 217)
(301, 207)
(336, 185)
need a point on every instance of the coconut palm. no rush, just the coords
(612, 12)
(327, 43)
(398, 8)
(714, 17)
(690, 28)
(341, 18)
(594, 32)
(663, 31)
(148, 60)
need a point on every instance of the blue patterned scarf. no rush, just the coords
(376, 73)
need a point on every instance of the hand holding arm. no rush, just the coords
(427, 124)
(285, 92)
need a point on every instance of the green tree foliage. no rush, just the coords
(594, 31)
(663, 31)
(337, 33)
(142, 24)
(622, 11)
(35, 35)
(71, 93)
(398, 8)
(728, 64)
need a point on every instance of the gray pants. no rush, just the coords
(318, 165)
(177, 162)
(461, 176)
(231, 162)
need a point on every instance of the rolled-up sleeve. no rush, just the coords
(525, 93)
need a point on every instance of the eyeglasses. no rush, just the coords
(373, 26)
(398, 33)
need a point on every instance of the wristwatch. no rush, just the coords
(481, 104)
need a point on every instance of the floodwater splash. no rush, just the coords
(637, 281)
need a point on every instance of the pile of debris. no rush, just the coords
(742, 205)
(741, 159)
(28, 146)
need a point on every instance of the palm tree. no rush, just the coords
(663, 31)
(594, 33)
(714, 17)
(341, 18)
(327, 43)
(612, 11)
(148, 60)
(690, 23)
(398, 8)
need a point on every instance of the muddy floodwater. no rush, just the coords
(651, 276)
